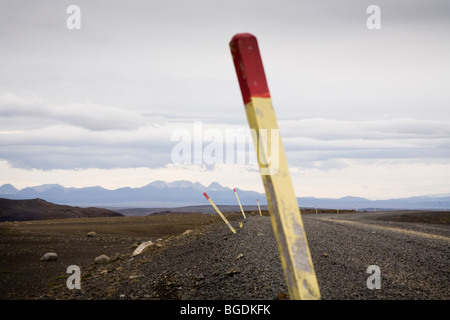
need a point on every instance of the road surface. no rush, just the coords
(413, 258)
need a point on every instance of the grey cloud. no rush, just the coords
(87, 115)
(69, 147)
(172, 58)
(174, 55)
(59, 157)
(311, 140)
(74, 150)
(62, 146)
(404, 128)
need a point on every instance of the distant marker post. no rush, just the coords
(315, 206)
(220, 213)
(242, 210)
(282, 203)
(259, 208)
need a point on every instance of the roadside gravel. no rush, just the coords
(208, 263)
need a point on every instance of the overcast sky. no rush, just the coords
(361, 112)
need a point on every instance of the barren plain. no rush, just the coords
(208, 262)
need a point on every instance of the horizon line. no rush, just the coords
(231, 189)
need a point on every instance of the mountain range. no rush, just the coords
(161, 194)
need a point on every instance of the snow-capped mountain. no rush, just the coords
(159, 194)
(155, 194)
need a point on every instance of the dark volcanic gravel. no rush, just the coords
(209, 263)
(212, 263)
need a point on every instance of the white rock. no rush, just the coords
(49, 256)
(187, 232)
(143, 246)
(102, 259)
(92, 234)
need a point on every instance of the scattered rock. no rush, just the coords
(187, 232)
(202, 266)
(49, 256)
(92, 234)
(233, 270)
(101, 259)
(142, 247)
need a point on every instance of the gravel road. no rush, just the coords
(414, 259)
(212, 263)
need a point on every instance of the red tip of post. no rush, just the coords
(206, 196)
(249, 67)
(234, 190)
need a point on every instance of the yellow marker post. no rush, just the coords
(220, 213)
(283, 207)
(259, 208)
(242, 210)
(315, 206)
